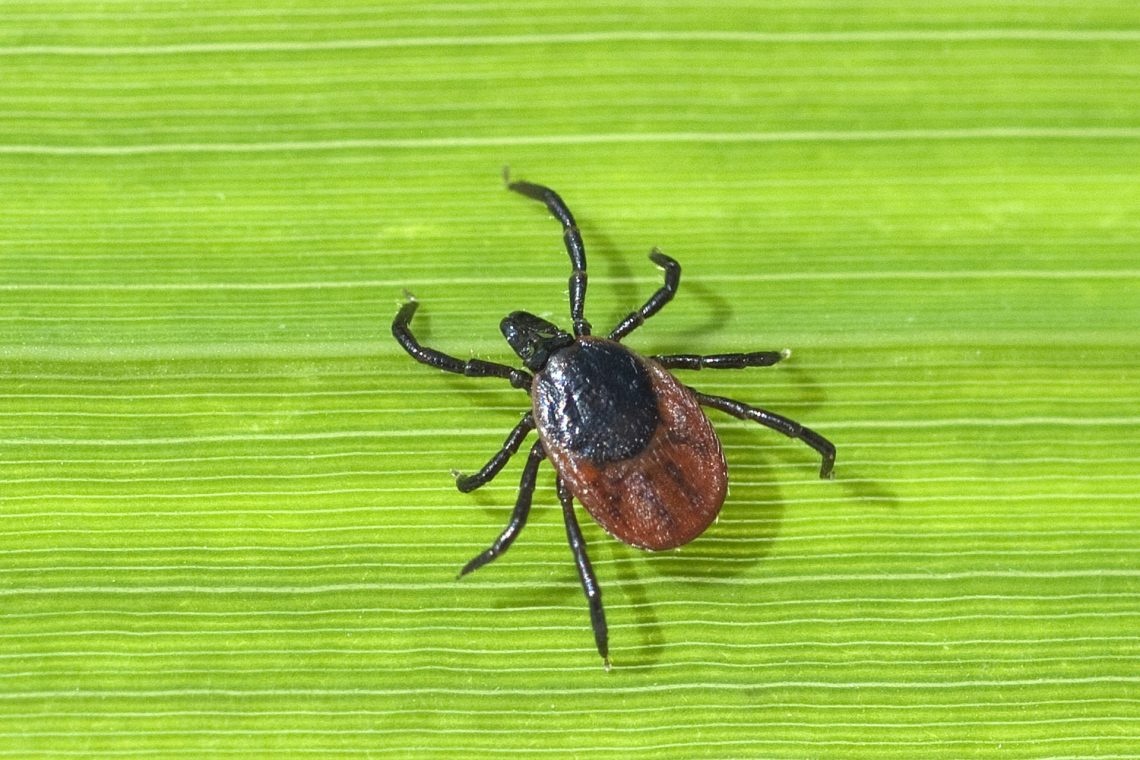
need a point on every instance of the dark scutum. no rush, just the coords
(594, 399)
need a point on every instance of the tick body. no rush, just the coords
(631, 443)
(626, 438)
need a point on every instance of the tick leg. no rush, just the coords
(720, 361)
(467, 483)
(402, 331)
(788, 427)
(658, 300)
(573, 239)
(585, 574)
(518, 517)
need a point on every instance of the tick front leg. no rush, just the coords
(657, 301)
(518, 517)
(402, 332)
(788, 427)
(467, 483)
(721, 361)
(574, 247)
(585, 574)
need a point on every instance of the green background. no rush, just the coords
(227, 524)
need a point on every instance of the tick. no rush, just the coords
(626, 438)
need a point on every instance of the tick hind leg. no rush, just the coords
(657, 301)
(466, 483)
(402, 332)
(518, 516)
(788, 427)
(573, 239)
(585, 574)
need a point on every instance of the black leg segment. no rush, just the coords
(467, 483)
(720, 361)
(573, 239)
(585, 574)
(518, 516)
(788, 427)
(657, 301)
(402, 331)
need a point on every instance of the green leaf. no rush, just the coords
(228, 521)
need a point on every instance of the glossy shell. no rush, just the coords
(631, 443)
